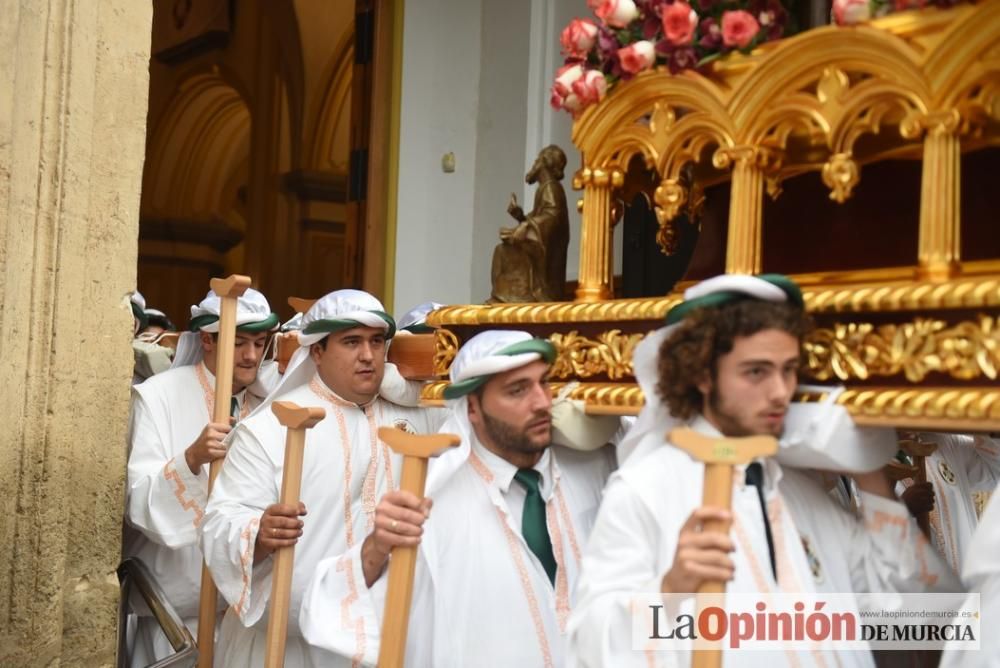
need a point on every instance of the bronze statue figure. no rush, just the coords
(529, 263)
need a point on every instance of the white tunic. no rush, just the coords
(961, 467)
(346, 469)
(481, 597)
(165, 500)
(635, 537)
(981, 572)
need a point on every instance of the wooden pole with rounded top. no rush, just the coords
(296, 419)
(229, 290)
(720, 455)
(416, 450)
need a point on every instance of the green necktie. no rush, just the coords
(533, 526)
(234, 407)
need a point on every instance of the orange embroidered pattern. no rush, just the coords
(369, 487)
(562, 581)
(247, 537)
(564, 513)
(940, 520)
(202, 372)
(344, 566)
(515, 550)
(180, 491)
(369, 491)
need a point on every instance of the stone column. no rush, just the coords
(72, 140)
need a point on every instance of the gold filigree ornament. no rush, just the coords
(965, 351)
(445, 349)
(581, 357)
(840, 174)
(669, 198)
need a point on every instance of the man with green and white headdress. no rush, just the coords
(499, 558)
(172, 440)
(339, 367)
(727, 366)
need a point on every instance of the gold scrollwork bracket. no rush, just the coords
(445, 349)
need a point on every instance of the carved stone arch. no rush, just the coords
(202, 136)
(330, 117)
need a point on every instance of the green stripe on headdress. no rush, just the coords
(267, 324)
(139, 315)
(331, 326)
(418, 328)
(540, 346)
(717, 299)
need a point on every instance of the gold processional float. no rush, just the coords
(914, 332)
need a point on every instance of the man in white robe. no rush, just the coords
(339, 367)
(962, 467)
(172, 441)
(981, 574)
(727, 365)
(499, 557)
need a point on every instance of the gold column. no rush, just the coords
(744, 243)
(939, 246)
(594, 282)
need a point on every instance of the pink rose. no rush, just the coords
(563, 96)
(590, 88)
(849, 12)
(739, 28)
(578, 38)
(637, 56)
(679, 22)
(616, 13)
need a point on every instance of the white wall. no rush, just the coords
(439, 110)
(476, 79)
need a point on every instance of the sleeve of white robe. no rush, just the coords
(342, 615)
(981, 460)
(244, 489)
(888, 551)
(619, 561)
(166, 501)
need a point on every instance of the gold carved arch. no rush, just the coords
(793, 106)
(916, 345)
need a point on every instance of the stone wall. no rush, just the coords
(74, 76)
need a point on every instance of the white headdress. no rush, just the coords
(480, 358)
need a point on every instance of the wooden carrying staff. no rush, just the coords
(296, 419)
(720, 455)
(229, 290)
(416, 450)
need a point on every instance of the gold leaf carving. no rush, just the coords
(965, 351)
(840, 174)
(580, 357)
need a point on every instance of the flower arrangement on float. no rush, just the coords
(631, 36)
(626, 37)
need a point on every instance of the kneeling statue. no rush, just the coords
(529, 263)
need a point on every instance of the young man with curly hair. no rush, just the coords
(727, 365)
